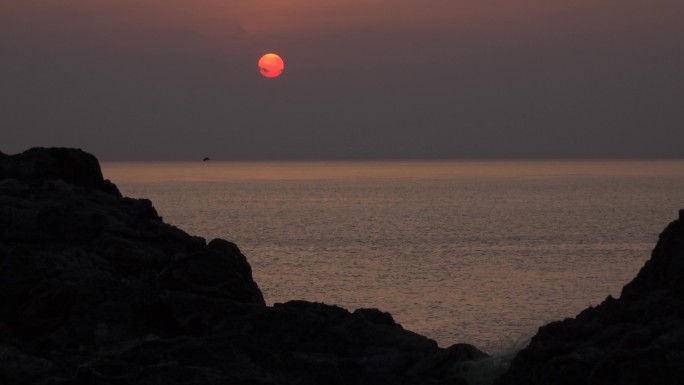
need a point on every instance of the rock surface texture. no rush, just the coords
(636, 339)
(96, 289)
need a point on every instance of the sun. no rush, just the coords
(271, 65)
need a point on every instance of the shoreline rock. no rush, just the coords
(635, 339)
(96, 289)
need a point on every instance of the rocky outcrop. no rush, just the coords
(96, 289)
(69, 165)
(636, 339)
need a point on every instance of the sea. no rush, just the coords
(479, 252)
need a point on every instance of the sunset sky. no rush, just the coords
(364, 79)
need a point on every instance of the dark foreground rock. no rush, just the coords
(97, 289)
(636, 339)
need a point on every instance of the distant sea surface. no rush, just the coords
(459, 251)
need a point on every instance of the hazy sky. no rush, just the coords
(369, 79)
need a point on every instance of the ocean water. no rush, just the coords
(459, 251)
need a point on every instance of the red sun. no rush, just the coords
(271, 65)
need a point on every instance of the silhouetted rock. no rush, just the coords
(636, 339)
(96, 289)
(72, 166)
